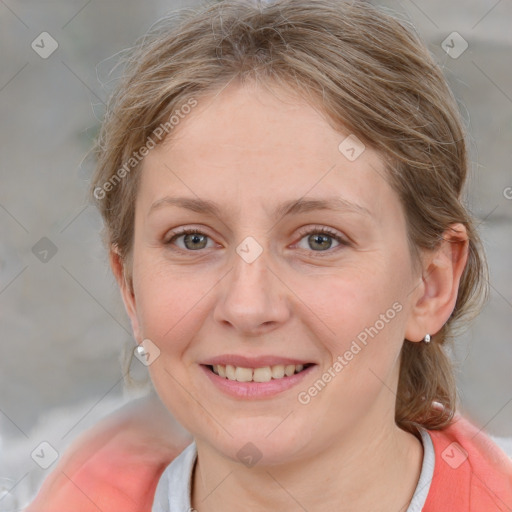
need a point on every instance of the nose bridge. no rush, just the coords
(252, 297)
(249, 286)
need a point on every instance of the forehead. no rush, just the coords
(249, 144)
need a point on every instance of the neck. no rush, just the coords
(372, 468)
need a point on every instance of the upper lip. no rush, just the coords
(252, 362)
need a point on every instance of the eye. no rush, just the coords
(320, 239)
(190, 240)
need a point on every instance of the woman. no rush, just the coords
(281, 189)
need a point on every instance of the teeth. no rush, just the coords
(230, 372)
(289, 370)
(262, 374)
(278, 371)
(265, 374)
(243, 374)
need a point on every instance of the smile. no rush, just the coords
(262, 382)
(263, 374)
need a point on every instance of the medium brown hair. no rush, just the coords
(369, 74)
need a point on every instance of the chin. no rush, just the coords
(258, 443)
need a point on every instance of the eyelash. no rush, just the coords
(321, 230)
(305, 232)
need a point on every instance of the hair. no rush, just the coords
(370, 74)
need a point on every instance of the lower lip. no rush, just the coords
(255, 390)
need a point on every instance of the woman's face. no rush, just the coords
(295, 253)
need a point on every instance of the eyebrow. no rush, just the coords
(292, 207)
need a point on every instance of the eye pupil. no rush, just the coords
(317, 241)
(195, 241)
(320, 241)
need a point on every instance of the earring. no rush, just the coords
(140, 350)
(426, 339)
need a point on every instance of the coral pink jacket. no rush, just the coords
(471, 473)
(116, 469)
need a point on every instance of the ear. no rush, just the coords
(436, 296)
(119, 270)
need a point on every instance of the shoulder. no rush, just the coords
(116, 465)
(471, 472)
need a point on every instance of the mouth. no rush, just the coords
(262, 374)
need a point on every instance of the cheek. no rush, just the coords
(360, 318)
(344, 305)
(360, 324)
(171, 304)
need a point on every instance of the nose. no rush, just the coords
(252, 299)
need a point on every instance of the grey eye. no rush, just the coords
(317, 242)
(192, 241)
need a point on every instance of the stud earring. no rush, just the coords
(426, 339)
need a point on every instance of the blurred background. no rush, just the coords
(62, 325)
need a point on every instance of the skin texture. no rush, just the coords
(249, 149)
